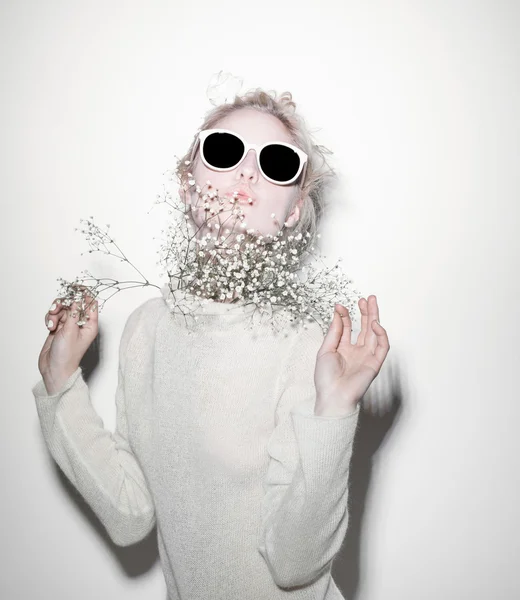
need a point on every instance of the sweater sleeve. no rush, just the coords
(304, 507)
(100, 464)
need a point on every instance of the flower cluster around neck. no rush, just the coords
(228, 269)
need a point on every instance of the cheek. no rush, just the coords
(279, 196)
(283, 202)
(202, 174)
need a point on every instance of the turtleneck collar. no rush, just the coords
(215, 315)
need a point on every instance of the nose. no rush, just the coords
(248, 168)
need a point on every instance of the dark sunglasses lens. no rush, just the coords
(279, 162)
(222, 150)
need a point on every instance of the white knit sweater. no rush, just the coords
(217, 444)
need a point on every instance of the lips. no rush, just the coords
(242, 194)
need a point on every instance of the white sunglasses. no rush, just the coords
(224, 150)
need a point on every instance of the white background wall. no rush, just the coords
(419, 102)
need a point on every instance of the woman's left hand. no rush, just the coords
(344, 371)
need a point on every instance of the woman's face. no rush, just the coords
(267, 198)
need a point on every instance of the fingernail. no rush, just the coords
(52, 307)
(50, 324)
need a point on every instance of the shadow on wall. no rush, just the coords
(136, 559)
(377, 419)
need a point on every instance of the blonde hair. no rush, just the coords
(318, 173)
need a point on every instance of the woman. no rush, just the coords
(236, 445)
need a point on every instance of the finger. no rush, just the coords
(84, 300)
(63, 316)
(363, 308)
(88, 298)
(53, 310)
(50, 321)
(92, 313)
(373, 315)
(383, 345)
(75, 315)
(333, 335)
(88, 316)
(52, 313)
(56, 320)
(56, 304)
(345, 339)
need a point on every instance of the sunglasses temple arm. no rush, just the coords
(304, 172)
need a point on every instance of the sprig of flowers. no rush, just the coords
(214, 262)
(73, 291)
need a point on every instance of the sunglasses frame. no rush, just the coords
(206, 132)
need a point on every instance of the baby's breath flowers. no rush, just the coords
(213, 261)
(216, 262)
(73, 291)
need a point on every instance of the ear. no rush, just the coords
(294, 216)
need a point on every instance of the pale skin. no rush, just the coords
(343, 371)
(66, 343)
(268, 198)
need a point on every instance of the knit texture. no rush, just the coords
(216, 443)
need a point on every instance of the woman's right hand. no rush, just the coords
(67, 342)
